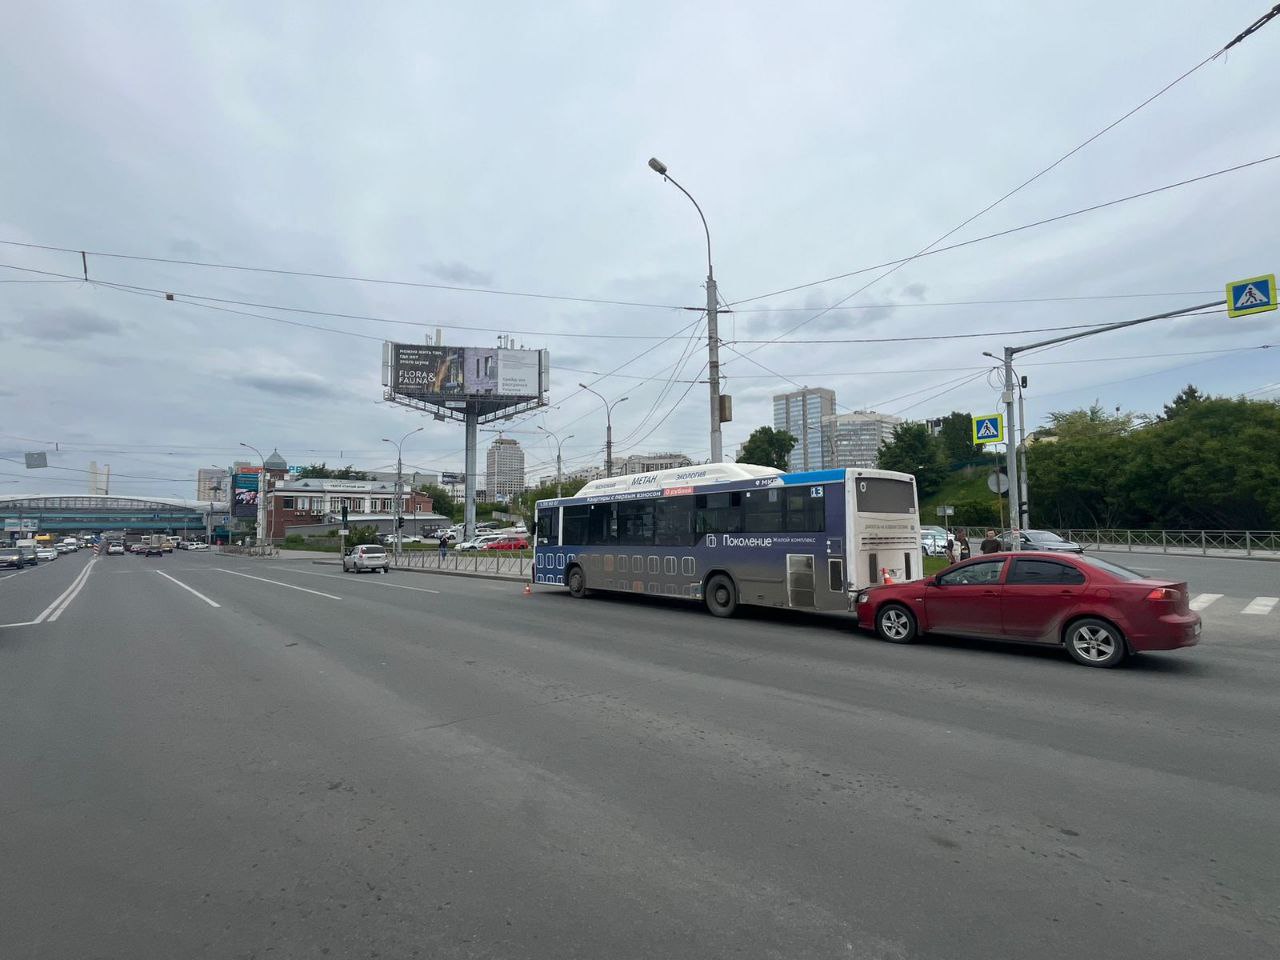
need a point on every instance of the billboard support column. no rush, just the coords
(469, 482)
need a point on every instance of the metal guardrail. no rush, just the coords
(1208, 543)
(1245, 543)
(264, 550)
(468, 562)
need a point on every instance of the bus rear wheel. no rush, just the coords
(576, 581)
(721, 596)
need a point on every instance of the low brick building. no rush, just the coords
(317, 504)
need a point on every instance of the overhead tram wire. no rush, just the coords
(1248, 31)
(277, 271)
(896, 264)
(219, 303)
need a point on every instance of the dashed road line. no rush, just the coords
(278, 583)
(188, 589)
(1204, 600)
(1260, 606)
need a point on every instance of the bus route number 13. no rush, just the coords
(815, 491)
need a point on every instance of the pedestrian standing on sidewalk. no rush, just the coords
(991, 544)
(444, 544)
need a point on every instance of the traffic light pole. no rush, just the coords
(1011, 424)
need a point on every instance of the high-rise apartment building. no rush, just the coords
(800, 413)
(504, 469)
(212, 484)
(854, 439)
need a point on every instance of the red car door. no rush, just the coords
(1039, 594)
(966, 599)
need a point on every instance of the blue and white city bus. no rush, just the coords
(731, 534)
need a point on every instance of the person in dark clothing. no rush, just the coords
(444, 544)
(991, 544)
(962, 542)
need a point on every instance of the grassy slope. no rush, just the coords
(967, 483)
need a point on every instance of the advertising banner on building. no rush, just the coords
(244, 494)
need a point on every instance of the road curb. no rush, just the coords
(441, 573)
(1122, 551)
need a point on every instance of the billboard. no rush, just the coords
(244, 494)
(434, 373)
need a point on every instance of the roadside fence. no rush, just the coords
(478, 561)
(1207, 543)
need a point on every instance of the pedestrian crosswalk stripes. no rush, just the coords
(1261, 605)
(1203, 600)
(1257, 606)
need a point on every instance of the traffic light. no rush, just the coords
(399, 523)
(344, 515)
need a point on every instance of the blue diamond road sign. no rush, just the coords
(1255, 295)
(988, 429)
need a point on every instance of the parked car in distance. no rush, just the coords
(115, 547)
(12, 557)
(61, 548)
(507, 542)
(1041, 540)
(933, 540)
(367, 556)
(71, 544)
(46, 552)
(481, 539)
(197, 545)
(1099, 611)
(28, 548)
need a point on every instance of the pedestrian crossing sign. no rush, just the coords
(988, 429)
(1255, 295)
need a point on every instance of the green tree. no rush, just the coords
(362, 534)
(1188, 397)
(956, 436)
(768, 447)
(442, 501)
(915, 450)
(321, 471)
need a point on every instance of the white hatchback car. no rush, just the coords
(367, 556)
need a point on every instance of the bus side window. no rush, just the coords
(762, 511)
(547, 531)
(673, 522)
(602, 525)
(720, 513)
(575, 525)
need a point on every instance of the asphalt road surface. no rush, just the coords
(203, 756)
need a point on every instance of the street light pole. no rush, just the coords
(399, 510)
(262, 481)
(559, 442)
(713, 315)
(608, 428)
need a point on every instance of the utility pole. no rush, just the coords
(1024, 502)
(1011, 454)
(1011, 424)
(713, 316)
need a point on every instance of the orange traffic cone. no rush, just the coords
(884, 575)
(528, 590)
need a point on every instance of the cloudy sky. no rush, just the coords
(505, 146)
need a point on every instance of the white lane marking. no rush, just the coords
(1261, 605)
(188, 589)
(278, 583)
(334, 576)
(74, 591)
(1204, 600)
(23, 623)
(8, 575)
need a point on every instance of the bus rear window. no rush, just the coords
(882, 495)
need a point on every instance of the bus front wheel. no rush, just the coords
(576, 582)
(721, 596)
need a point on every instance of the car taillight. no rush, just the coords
(1164, 593)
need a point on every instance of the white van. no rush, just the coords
(28, 548)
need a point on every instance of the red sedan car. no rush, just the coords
(1101, 612)
(507, 543)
